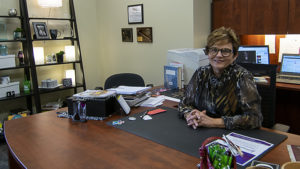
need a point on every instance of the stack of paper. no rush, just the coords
(93, 94)
(129, 89)
(153, 101)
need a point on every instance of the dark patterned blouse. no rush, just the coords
(232, 97)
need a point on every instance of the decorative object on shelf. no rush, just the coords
(50, 3)
(38, 53)
(135, 14)
(3, 50)
(12, 12)
(5, 79)
(71, 74)
(51, 58)
(60, 56)
(49, 83)
(70, 53)
(21, 58)
(127, 35)
(3, 34)
(9, 89)
(27, 86)
(40, 30)
(7, 61)
(144, 34)
(67, 82)
(18, 33)
(54, 33)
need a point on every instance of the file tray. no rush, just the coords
(96, 109)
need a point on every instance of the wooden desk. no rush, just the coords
(287, 106)
(287, 86)
(45, 141)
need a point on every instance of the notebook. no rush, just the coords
(290, 69)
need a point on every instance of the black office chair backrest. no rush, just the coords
(125, 79)
(266, 91)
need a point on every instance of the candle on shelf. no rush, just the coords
(38, 53)
(71, 74)
(70, 53)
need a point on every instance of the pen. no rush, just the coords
(234, 146)
(146, 112)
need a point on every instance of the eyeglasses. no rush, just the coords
(224, 51)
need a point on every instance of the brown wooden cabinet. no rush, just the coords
(294, 17)
(230, 13)
(257, 16)
(267, 16)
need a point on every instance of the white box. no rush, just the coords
(13, 86)
(7, 61)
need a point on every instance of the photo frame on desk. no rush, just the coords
(127, 35)
(40, 30)
(144, 34)
(135, 14)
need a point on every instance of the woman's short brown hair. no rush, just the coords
(223, 34)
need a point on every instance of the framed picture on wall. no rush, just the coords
(40, 30)
(144, 34)
(127, 35)
(135, 14)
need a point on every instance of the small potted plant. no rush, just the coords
(60, 56)
(18, 33)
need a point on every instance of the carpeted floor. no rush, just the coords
(3, 155)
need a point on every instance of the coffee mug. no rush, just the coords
(54, 33)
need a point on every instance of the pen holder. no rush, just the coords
(205, 162)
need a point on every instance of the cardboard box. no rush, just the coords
(7, 61)
(13, 86)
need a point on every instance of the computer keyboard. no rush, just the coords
(287, 79)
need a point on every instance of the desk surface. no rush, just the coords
(45, 141)
(288, 86)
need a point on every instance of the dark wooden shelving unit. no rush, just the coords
(30, 71)
(30, 40)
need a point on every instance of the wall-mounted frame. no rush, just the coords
(135, 14)
(127, 35)
(144, 34)
(40, 30)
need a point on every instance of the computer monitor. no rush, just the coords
(191, 59)
(246, 54)
(290, 64)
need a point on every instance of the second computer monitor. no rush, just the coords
(253, 54)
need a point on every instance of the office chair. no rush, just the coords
(267, 91)
(126, 79)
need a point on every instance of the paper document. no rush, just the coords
(94, 94)
(129, 89)
(251, 147)
(171, 98)
(153, 101)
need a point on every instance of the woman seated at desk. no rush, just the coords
(222, 94)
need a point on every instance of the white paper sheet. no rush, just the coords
(288, 45)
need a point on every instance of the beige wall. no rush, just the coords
(174, 24)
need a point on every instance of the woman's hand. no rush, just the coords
(198, 118)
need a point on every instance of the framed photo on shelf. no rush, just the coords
(127, 35)
(40, 30)
(144, 34)
(135, 14)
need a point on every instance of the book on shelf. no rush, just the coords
(178, 64)
(172, 77)
(294, 152)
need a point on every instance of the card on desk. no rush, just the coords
(156, 111)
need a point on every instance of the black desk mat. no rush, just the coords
(168, 129)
